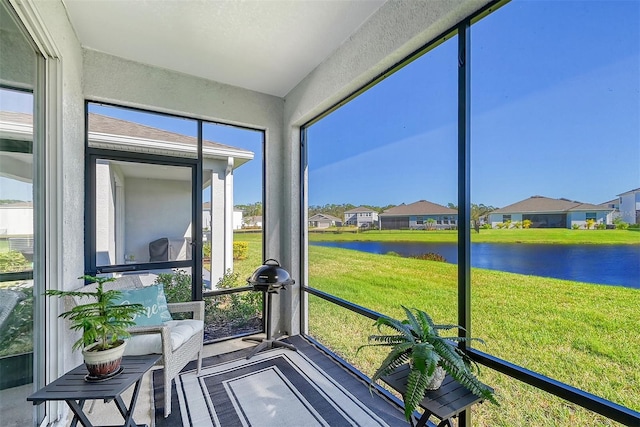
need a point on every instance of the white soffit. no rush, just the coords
(264, 45)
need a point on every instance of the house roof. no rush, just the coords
(359, 209)
(110, 132)
(541, 204)
(421, 207)
(635, 190)
(326, 217)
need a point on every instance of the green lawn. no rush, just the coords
(533, 235)
(585, 335)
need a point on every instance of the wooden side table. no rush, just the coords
(73, 389)
(444, 403)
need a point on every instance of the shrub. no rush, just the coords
(392, 253)
(575, 226)
(601, 226)
(621, 225)
(13, 261)
(240, 250)
(430, 256)
(526, 223)
(517, 224)
(16, 335)
(486, 226)
(206, 249)
(238, 309)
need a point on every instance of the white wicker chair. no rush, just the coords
(173, 361)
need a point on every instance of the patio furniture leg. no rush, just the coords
(78, 413)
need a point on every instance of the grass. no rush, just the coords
(582, 334)
(533, 235)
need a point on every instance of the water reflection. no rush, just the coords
(602, 264)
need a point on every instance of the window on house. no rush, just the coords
(590, 216)
(506, 218)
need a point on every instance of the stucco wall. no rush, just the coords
(153, 209)
(629, 204)
(64, 176)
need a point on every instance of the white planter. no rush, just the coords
(102, 364)
(436, 379)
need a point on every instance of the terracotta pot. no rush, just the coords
(104, 363)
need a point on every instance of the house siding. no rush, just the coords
(630, 207)
(580, 218)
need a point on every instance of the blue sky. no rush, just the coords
(555, 111)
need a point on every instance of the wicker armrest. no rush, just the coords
(196, 307)
(139, 330)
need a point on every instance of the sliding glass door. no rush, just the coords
(20, 212)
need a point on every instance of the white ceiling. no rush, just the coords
(264, 45)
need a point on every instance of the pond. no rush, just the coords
(603, 264)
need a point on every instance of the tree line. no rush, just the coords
(478, 211)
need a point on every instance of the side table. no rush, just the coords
(444, 403)
(73, 389)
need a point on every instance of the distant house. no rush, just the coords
(545, 212)
(629, 204)
(614, 206)
(361, 217)
(237, 219)
(16, 219)
(252, 221)
(419, 216)
(324, 221)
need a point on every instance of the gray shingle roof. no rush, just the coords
(541, 204)
(635, 190)
(421, 207)
(359, 209)
(112, 126)
(321, 216)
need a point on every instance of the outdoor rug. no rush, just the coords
(275, 388)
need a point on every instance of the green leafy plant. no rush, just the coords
(103, 320)
(240, 250)
(620, 223)
(417, 341)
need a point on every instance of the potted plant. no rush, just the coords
(417, 341)
(103, 323)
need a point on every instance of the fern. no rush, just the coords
(417, 340)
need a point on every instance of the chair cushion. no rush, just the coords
(181, 331)
(154, 301)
